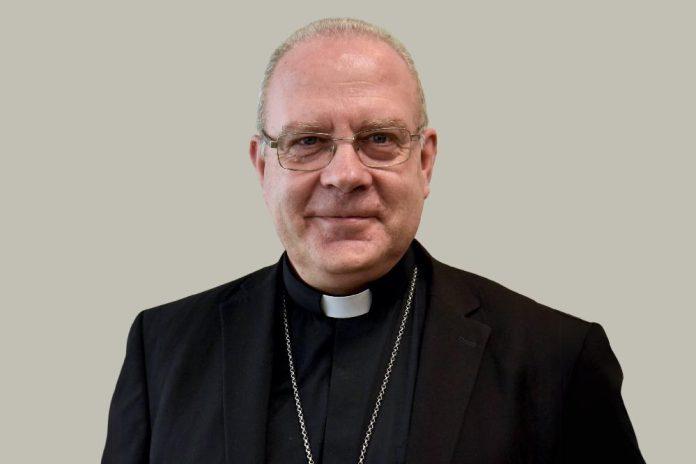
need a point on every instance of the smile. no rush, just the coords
(344, 217)
(344, 220)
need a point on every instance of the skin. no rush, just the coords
(347, 224)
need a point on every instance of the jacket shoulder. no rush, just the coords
(512, 315)
(495, 294)
(528, 340)
(201, 305)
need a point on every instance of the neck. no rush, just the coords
(342, 284)
(382, 291)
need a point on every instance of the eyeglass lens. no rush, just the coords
(376, 148)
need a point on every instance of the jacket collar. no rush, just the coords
(451, 351)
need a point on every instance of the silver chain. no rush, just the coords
(383, 388)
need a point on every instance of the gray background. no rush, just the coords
(565, 172)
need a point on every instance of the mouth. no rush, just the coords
(344, 220)
(343, 214)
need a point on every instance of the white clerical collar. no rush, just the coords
(342, 307)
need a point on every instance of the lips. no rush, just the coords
(344, 220)
(343, 228)
(344, 214)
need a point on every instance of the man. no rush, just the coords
(358, 346)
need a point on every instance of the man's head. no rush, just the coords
(345, 224)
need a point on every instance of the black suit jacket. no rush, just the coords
(502, 379)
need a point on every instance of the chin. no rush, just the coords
(346, 256)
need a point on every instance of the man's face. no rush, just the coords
(345, 224)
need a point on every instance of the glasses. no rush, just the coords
(311, 151)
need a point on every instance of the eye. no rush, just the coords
(380, 138)
(307, 141)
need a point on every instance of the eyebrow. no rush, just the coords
(309, 126)
(315, 126)
(381, 123)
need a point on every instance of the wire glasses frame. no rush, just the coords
(371, 153)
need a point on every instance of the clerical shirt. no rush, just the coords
(340, 365)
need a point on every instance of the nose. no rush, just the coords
(345, 171)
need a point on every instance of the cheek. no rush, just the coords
(286, 198)
(408, 187)
(404, 202)
(273, 193)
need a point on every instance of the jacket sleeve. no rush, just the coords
(595, 425)
(128, 434)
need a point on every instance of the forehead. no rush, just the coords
(352, 78)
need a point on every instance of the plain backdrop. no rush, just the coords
(565, 172)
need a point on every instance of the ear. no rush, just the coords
(257, 157)
(427, 158)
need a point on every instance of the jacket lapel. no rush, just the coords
(451, 352)
(247, 330)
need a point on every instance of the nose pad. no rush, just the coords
(346, 170)
(354, 156)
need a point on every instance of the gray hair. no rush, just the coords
(334, 27)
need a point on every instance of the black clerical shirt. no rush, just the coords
(340, 365)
